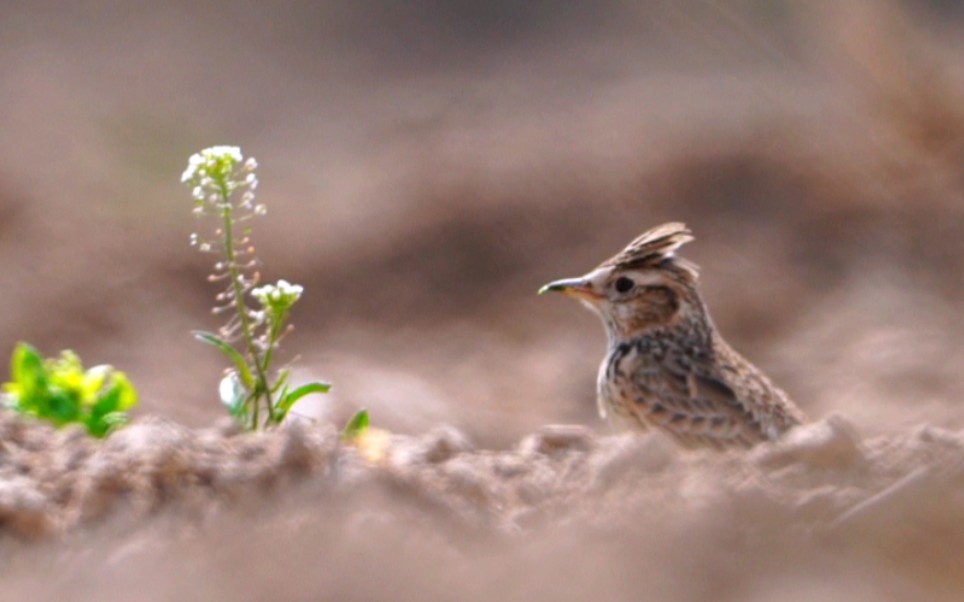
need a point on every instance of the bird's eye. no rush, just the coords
(624, 284)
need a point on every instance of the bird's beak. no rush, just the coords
(572, 287)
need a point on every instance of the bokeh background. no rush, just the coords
(428, 164)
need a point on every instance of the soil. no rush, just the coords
(164, 512)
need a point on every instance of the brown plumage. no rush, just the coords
(666, 365)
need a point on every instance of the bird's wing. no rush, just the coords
(697, 409)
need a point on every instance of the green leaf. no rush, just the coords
(289, 398)
(126, 391)
(356, 426)
(60, 407)
(106, 424)
(231, 352)
(96, 428)
(119, 397)
(114, 420)
(107, 403)
(282, 379)
(29, 376)
(279, 413)
(92, 382)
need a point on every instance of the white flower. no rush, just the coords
(193, 164)
(277, 298)
(218, 158)
(290, 289)
(215, 153)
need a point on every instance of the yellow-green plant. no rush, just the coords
(356, 427)
(61, 391)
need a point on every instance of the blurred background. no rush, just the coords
(427, 165)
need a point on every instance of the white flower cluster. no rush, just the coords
(214, 176)
(278, 296)
(201, 164)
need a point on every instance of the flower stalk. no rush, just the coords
(223, 185)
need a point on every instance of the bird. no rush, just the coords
(667, 367)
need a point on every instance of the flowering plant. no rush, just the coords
(223, 185)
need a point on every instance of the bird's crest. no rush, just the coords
(654, 247)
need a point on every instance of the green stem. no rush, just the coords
(261, 387)
(276, 325)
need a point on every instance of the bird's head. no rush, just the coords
(644, 286)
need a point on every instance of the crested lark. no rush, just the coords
(667, 366)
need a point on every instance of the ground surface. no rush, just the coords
(426, 169)
(162, 512)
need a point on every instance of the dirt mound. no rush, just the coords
(162, 512)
